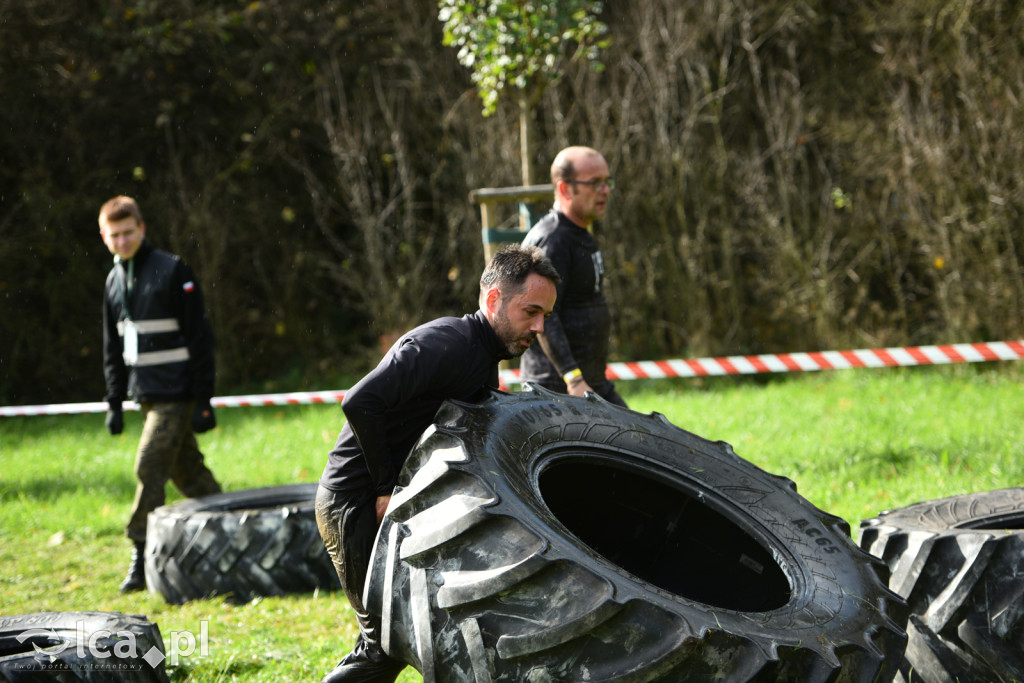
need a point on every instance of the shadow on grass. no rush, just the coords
(117, 487)
(889, 457)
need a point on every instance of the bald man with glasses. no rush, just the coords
(573, 350)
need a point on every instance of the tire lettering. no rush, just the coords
(816, 533)
(541, 413)
(551, 411)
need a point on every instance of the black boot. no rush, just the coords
(136, 579)
(367, 663)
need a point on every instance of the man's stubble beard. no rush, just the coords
(503, 328)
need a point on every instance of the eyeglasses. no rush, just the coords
(598, 185)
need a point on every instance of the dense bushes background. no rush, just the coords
(792, 176)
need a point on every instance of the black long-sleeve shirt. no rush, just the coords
(576, 334)
(390, 408)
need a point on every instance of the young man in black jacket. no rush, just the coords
(389, 409)
(573, 351)
(157, 350)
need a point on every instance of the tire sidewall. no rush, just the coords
(830, 576)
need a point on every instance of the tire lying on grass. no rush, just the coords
(81, 646)
(957, 561)
(241, 544)
(540, 537)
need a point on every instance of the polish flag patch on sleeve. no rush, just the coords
(189, 286)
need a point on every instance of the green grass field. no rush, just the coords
(855, 442)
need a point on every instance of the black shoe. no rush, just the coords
(367, 663)
(136, 579)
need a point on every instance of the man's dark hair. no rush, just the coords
(510, 267)
(566, 170)
(564, 165)
(119, 208)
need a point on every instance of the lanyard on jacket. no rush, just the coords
(125, 286)
(130, 339)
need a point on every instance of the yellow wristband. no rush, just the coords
(571, 375)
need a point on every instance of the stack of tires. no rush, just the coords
(538, 537)
(959, 562)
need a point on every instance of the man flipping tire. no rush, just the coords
(388, 410)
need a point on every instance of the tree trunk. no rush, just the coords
(525, 138)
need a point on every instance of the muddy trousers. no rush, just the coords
(167, 452)
(348, 526)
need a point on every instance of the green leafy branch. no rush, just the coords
(521, 43)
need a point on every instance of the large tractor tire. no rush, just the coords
(241, 544)
(957, 561)
(540, 537)
(99, 647)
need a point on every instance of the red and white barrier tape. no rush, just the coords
(288, 399)
(694, 367)
(808, 362)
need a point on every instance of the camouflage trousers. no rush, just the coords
(167, 452)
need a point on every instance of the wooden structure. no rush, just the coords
(490, 198)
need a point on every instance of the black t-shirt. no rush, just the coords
(576, 334)
(389, 409)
